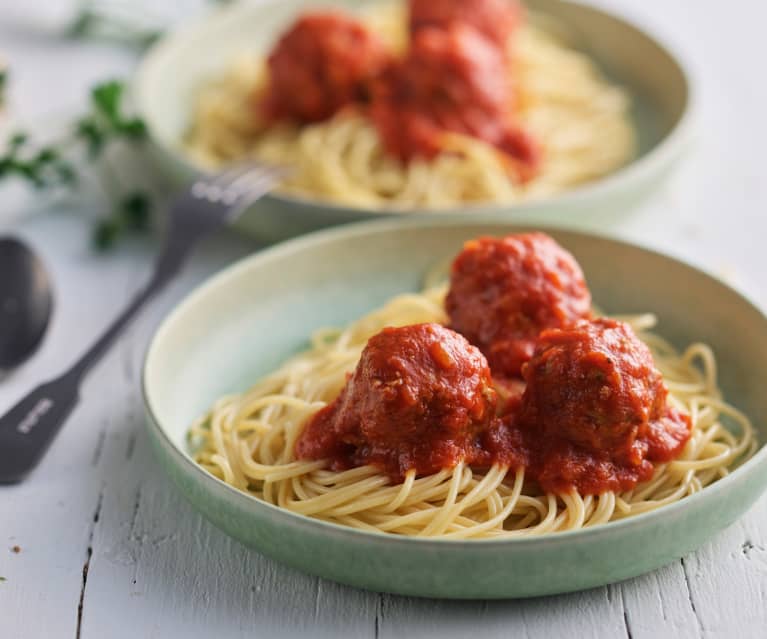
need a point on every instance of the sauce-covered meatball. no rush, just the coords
(322, 63)
(451, 80)
(594, 409)
(495, 19)
(420, 398)
(504, 291)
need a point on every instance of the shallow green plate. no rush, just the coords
(174, 69)
(249, 318)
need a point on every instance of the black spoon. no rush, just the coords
(26, 302)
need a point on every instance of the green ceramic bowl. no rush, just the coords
(245, 321)
(175, 68)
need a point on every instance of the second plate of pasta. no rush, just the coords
(576, 123)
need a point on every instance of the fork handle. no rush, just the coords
(29, 427)
(156, 283)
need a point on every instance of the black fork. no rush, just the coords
(28, 428)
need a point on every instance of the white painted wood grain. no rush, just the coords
(156, 569)
(50, 516)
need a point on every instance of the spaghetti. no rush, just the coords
(248, 441)
(579, 119)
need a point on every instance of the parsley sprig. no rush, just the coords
(54, 165)
(90, 23)
(3, 82)
(43, 167)
(107, 120)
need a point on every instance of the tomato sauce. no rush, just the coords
(455, 80)
(495, 19)
(586, 408)
(323, 63)
(594, 412)
(420, 398)
(504, 291)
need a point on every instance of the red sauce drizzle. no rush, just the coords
(420, 397)
(594, 413)
(453, 78)
(505, 291)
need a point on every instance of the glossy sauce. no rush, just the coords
(495, 19)
(420, 397)
(452, 79)
(594, 412)
(323, 63)
(505, 291)
(586, 410)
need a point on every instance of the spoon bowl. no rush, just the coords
(26, 302)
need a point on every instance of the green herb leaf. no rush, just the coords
(111, 27)
(134, 128)
(81, 25)
(46, 166)
(132, 214)
(135, 209)
(106, 98)
(88, 130)
(3, 84)
(65, 172)
(47, 155)
(106, 232)
(108, 112)
(18, 140)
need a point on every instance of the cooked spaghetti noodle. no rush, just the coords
(581, 121)
(247, 440)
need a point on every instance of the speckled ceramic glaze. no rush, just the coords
(245, 321)
(180, 63)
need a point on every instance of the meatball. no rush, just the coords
(504, 291)
(595, 385)
(322, 63)
(494, 19)
(419, 399)
(451, 80)
(595, 404)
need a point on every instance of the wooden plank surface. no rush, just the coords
(109, 549)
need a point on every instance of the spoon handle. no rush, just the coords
(29, 427)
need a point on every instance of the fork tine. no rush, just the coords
(251, 185)
(236, 182)
(255, 174)
(212, 186)
(225, 179)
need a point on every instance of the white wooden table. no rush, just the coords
(107, 548)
